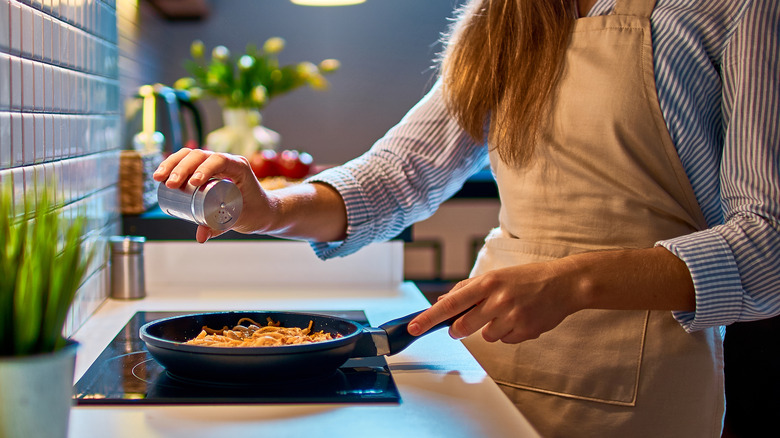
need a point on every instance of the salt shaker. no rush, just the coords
(215, 204)
(127, 267)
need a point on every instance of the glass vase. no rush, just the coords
(243, 133)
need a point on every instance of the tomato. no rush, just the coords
(265, 163)
(294, 165)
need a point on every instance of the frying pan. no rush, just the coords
(165, 339)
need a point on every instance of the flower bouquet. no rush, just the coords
(243, 86)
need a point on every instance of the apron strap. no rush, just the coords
(637, 8)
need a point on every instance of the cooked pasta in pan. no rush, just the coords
(255, 335)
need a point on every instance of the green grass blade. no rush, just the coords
(68, 272)
(42, 264)
(8, 262)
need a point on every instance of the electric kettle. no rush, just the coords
(178, 125)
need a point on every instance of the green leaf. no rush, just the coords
(10, 251)
(39, 273)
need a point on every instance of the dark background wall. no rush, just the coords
(386, 47)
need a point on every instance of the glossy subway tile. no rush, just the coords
(48, 137)
(60, 118)
(28, 138)
(55, 87)
(16, 141)
(56, 32)
(48, 87)
(27, 31)
(37, 35)
(38, 86)
(39, 148)
(28, 85)
(46, 34)
(14, 28)
(5, 81)
(5, 20)
(15, 79)
(5, 140)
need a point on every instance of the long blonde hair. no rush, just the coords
(501, 63)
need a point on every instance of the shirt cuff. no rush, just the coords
(360, 231)
(716, 279)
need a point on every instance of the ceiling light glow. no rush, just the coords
(327, 2)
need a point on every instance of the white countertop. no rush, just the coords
(444, 392)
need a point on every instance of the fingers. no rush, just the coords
(205, 233)
(165, 168)
(456, 301)
(516, 337)
(472, 321)
(497, 329)
(191, 167)
(198, 166)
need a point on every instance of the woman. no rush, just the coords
(636, 154)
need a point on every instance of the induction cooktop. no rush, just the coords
(126, 374)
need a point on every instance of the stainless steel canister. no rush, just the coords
(127, 267)
(216, 204)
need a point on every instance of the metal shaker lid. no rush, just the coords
(127, 244)
(217, 204)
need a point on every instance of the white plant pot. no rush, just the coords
(36, 394)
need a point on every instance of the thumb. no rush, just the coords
(205, 233)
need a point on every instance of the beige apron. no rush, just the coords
(605, 175)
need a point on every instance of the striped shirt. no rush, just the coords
(717, 74)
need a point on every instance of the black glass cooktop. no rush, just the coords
(125, 374)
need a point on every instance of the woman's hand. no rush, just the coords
(303, 211)
(198, 166)
(513, 304)
(519, 303)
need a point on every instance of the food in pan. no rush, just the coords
(255, 335)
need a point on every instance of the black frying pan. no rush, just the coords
(165, 339)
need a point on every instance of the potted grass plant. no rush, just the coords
(42, 264)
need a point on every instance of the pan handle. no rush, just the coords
(398, 336)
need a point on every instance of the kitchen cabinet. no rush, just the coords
(443, 390)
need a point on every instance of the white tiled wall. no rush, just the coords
(60, 116)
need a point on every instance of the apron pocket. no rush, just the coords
(592, 355)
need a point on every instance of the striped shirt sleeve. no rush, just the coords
(404, 177)
(735, 266)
